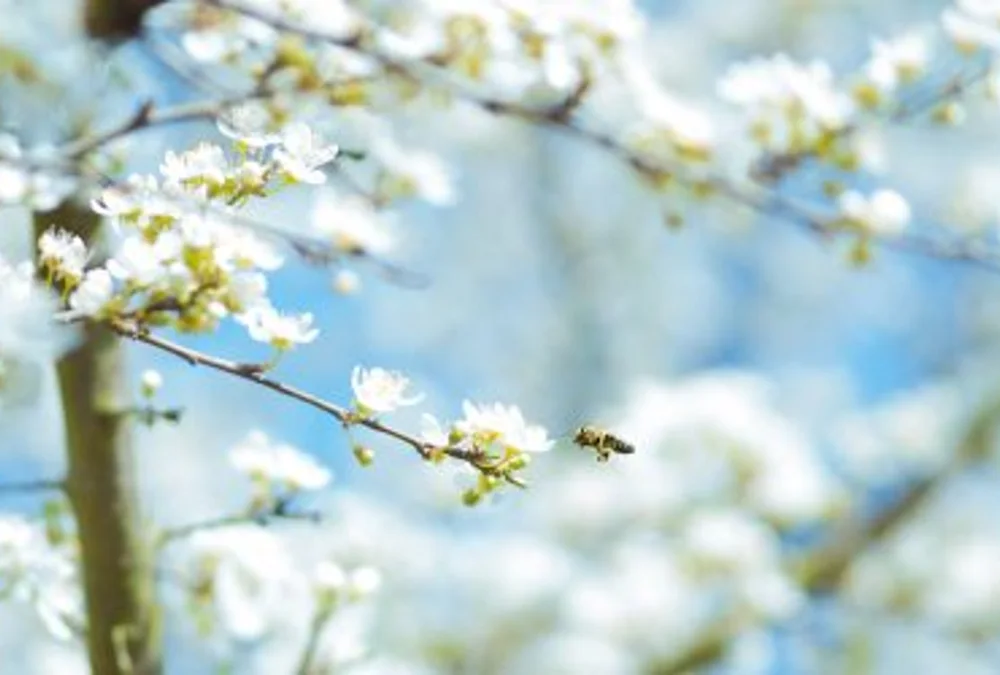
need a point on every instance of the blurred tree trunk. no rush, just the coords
(123, 634)
(116, 20)
(118, 582)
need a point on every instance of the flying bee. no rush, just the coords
(602, 442)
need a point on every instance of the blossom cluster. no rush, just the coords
(277, 471)
(496, 440)
(29, 334)
(181, 260)
(25, 178)
(36, 571)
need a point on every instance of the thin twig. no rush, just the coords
(174, 534)
(33, 486)
(148, 116)
(255, 373)
(321, 617)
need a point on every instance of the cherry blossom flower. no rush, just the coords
(302, 152)
(884, 212)
(62, 252)
(351, 223)
(278, 464)
(93, 294)
(282, 331)
(504, 424)
(377, 390)
(27, 310)
(34, 572)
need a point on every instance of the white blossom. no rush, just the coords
(414, 173)
(249, 123)
(883, 213)
(27, 311)
(205, 163)
(249, 576)
(279, 464)
(897, 61)
(377, 390)
(363, 582)
(433, 432)
(352, 223)
(973, 24)
(302, 152)
(282, 331)
(329, 577)
(346, 282)
(150, 382)
(62, 252)
(93, 294)
(33, 571)
(504, 423)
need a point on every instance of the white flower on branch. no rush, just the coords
(278, 465)
(139, 200)
(329, 578)
(302, 152)
(433, 432)
(282, 331)
(897, 61)
(205, 164)
(63, 253)
(791, 106)
(21, 184)
(884, 213)
(413, 173)
(973, 24)
(377, 390)
(142, 263)
(93, 294)
(363, 582)
(27, 328)
(249, 123)
(352, 223)
(35, 572)
(503, 425)
(239, 580)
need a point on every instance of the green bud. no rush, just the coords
(364, 455)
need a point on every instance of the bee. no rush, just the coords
(602, 442)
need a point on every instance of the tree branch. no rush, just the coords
(560, 117)
(171, 535)
(33, 486)
(254, 373)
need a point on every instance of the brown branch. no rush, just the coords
(255, 373)
(148, 116)
(173, 534)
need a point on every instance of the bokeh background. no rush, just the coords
(773, 391)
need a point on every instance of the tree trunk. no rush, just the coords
(123, 634)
